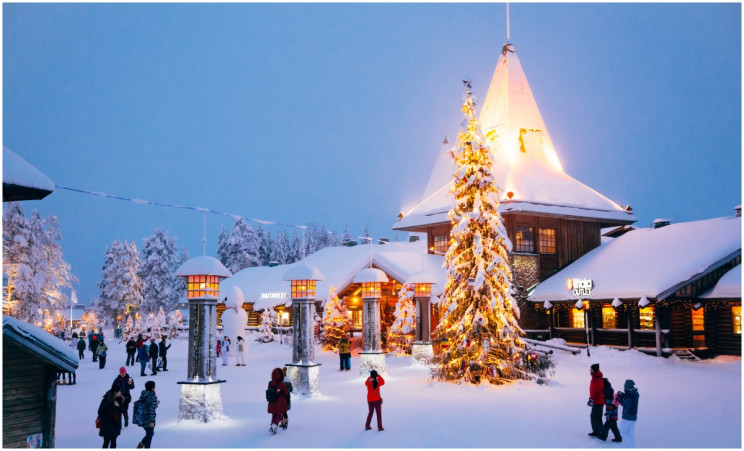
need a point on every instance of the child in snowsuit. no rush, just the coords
(225, 350)
(278, 407)
(611, 404)
(629, 401)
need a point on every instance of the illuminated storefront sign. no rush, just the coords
(580, 287)
(274, 295)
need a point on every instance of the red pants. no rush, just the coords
(374, 406)
(276, 418)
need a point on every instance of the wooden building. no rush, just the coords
(31, 359)
(662, 290)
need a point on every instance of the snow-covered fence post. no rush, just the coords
(201, 399)
(303, 372)
(372, 357)
(422, 348)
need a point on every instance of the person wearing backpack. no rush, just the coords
(101, 352)
(596, 400)
(374, 400)
(109, 413)
(278, 402)
(285, 421)
(144, 413)
(629, 401)
(611, 404)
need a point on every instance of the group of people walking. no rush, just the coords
(115, 405)
(602, 395)
(143, 352)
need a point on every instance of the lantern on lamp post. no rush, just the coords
(303, 371)
(372, 357)
(422, 350)
(200, 392)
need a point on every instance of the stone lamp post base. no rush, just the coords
(200, 401)
(372, 360)
(305, 379)
(422, 353)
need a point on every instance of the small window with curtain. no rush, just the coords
(525, 240)
(440, 244)
(577, 318)
(608, 317)
(647, 317)
(698, 319)
(547, 241)
(736, 318)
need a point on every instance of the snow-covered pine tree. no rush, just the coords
(178, 290)
(128, 329)
(297, 251)
(346, 237)
(281, 247)
(163, 320)
(139, 328)
(154, 326)
(157, 271)
(265, 246)
(312, 243)
(175, 321)
(335, 321)
(480, 315)
(120, 288)
(222, 249)
(242, 247)
(333, 238)
(268, 322)
(366, 238)
(403, 330)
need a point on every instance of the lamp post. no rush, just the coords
(372, 357)
(422, 350)
(200, 392)
(73, 300)
(303, 372)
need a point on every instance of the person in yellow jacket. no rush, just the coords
(344, 353)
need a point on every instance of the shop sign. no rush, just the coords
(274, 295)
(580, 287)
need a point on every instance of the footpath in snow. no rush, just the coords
(682, 405)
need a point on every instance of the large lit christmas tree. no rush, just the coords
(335, 322)
(479, 321)
(402, 331)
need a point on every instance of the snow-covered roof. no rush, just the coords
(21, 180)
(525, 162)
(38, 341)
(339, 264)
(728, 286)
(303, 271)
(648, 262)
(203, 265)
(368, 275)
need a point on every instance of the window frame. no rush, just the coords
(575, 319)
(518, 246)
(540, 240)
(606, 311)
(734, 318)
(646, 323)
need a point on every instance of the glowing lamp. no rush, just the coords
(302, 278)
(422, 282)
(510, 194)
(371, 280)
(203, 275)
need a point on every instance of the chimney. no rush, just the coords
(659, 223)
(737, 209)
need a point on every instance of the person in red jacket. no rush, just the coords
(596, 400)
(277, 408)
(374, 400)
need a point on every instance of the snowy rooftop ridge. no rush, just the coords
(649, 262)
(40, 342)
(728, 286)
(19, 173)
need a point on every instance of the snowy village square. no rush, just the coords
(372, 226)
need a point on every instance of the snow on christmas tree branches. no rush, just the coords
(479, 321)
(403, 329)
(335, 322)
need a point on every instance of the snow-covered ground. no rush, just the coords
(682, 405)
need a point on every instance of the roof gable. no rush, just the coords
(40, 343)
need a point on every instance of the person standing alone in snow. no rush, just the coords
(596, 400)
(131, 349)
(241, 349)
(374, 400)
(225, 350)
(344, 353)
(153, 351)
(278, 407)
(164, 352)
(629, 401)
(81, 348)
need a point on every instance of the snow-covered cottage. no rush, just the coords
(31, 359)
(551, 218)
(672, 288)
(263, 287)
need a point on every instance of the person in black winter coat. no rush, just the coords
(153, 350)
(131, 350)
(81, 348)
(110, 414)
(164, 352)
(125, 381)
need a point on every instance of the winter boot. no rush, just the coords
(126, 421)
(284, 424)
(617, 439)
(272, 429)
(140, 445)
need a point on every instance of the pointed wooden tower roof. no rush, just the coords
(525, 162)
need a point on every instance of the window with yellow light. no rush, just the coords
(698, 319)
(371, 289)
(440, 244)
(577, 318)
(202, 285)
(303, 289)
(736, 318)
(646, 316)
(547, 241)
(608, 317)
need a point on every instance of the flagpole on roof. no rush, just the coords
(204, 236)
(507, 22)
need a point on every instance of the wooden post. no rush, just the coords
(657, 326)
(593, 315)
(552, 329)
(50, 409)
(629, 315)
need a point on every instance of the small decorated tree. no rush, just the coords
(402, 332)
(128, 329)
(268, 322)
(175, 321)
(139, 328)
(163, 320)
(335, 322)
(155, 326)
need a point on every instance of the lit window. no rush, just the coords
(577, 318)
(698, 319)
(525, 241)
(371, 289)
(200, 286)
(736, 313)
(608, 317)
(440, 244)
(647, 317)
(356, 318)
(547, 241)
(303, 289)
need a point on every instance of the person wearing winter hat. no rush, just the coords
(596, 400)
(374, 400)
(125, 381)
(629, 401)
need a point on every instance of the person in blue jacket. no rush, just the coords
(629, 401)
(143, 357)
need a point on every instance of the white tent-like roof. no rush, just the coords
(526, 164)
(264, 286)
(728, 286)
(653, 263)
(21, 180)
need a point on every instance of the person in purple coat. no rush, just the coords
(278, 407)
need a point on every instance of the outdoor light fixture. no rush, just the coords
(302, 279)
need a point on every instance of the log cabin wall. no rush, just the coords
(253, 317)
(680, 320)
(29, 394)
(719, 330)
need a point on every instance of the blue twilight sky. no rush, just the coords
(334, 113)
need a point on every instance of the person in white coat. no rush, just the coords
(240, 352)
(225, 349)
